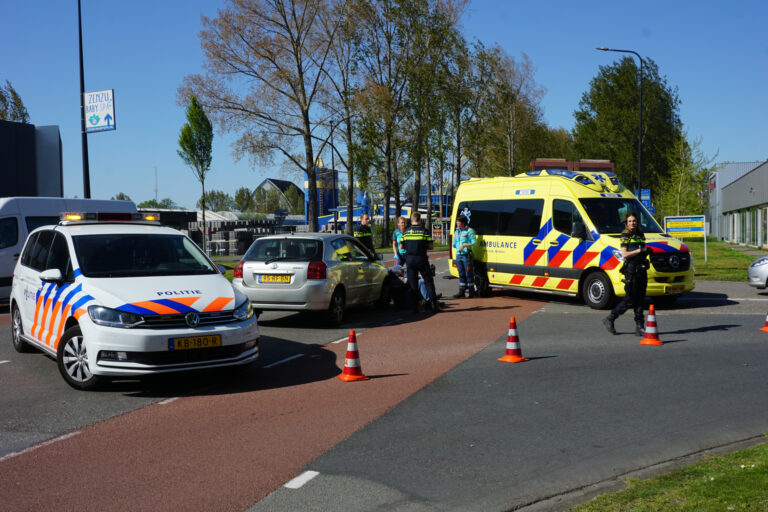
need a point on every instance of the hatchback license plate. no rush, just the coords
(675, 289)
(188, 342)
(274, 278)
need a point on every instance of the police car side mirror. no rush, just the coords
(52, 275)
(579, 230)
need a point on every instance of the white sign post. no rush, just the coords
(99, 110)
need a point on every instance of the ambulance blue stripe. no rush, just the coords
(130, 308)
(605, 255)
(543, 232)
(561, 240)
(584, 246)
(181, 308)
(662, 247)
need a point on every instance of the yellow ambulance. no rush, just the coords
(558, 231)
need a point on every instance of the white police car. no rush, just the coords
(115, 295)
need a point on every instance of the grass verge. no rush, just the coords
(736, 481)
(723, 262)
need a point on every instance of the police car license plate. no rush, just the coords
(188, 342)
(274, 278)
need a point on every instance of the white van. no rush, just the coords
(21, 215)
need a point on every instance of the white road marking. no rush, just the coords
(283, 361)
(345, 338)
(300, 480)
(168, 400)
(682, 299)
(1, 362)
(44, 443)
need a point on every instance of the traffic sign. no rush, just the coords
(99, 110)
(684, 227)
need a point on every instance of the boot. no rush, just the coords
(608, 323)
(472, 293)
(459, 295)
(434, 306)
(639, 329)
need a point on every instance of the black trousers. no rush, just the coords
(415, 265)
(635, 286)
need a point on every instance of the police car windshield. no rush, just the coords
(138, 255)
(608, 214)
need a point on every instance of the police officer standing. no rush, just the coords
(364, 234)
(416, 242)
(463, 240)
(635, 255)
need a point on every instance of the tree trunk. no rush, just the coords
(428, 177)
(350, 179)
(202, 200)
(458, 151)
(311, 174)
(387, 187)
(417, 179)
(396, 187)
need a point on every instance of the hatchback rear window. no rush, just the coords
(293, 249)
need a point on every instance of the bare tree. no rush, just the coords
(263, 75)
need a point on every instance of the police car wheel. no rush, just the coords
(16, 331)
(336, 308)
(597, 292)
(72, 359)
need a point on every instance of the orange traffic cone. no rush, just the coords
(352, 370)
(513, 353)
(765, 329)
(651, 334)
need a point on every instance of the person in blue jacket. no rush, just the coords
(464, 240)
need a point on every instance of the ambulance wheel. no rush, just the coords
(72, 359)
(481, 283)
(16, 332)
(597, 291)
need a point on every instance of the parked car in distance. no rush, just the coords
(757, 273)
(323, 272)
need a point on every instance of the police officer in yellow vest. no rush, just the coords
(364, 234)
(416, 241)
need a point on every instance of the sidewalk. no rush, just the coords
(750, 251)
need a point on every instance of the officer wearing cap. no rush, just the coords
(416, 241)
(364, 234)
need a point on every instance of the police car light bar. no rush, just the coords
(108, 217)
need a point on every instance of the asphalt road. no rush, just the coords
(441, 426)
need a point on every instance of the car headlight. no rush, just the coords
(114, 318)
(760, 262)
(244, 311)
(617, 254)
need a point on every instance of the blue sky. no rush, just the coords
(715, 53)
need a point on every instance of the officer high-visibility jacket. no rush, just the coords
(462, 237)
(364, 234)
(416, 241)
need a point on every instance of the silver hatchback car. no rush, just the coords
(757, 273)
(311, 272)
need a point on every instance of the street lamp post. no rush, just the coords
(640, 124)
(335, 188)
(84, 135)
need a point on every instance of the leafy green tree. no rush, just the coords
(296, 201)
(121, 197)
(11, 106)
(244, 199)
(607, 121)
(269, 200)
(217, 201)
(166, 203)
(683, 190)
(196, 143)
